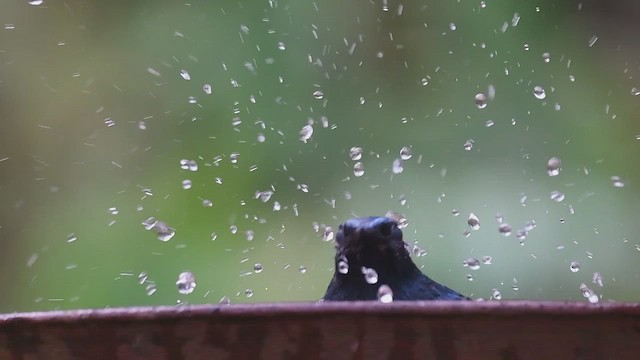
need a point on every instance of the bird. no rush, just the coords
(372, 263)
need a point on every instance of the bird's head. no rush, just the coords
(370, 241)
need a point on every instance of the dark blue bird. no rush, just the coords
(370, 253)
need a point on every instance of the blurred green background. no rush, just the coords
(100, 101)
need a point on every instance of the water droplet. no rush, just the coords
(113, 210)
(186, 283)
(472, 263)
(452, 26)
(186, 184)
(305, 133)
(281, 46)
(164, 232)
(218, 180)
(264, 196)
(214, 236)
(207, 89)
(328, 234)
(505, 229)
(539, 93)
(556, 196)
(190, 165)
(635, 91)
(455, 212)
(574, 266)
(546, 57)
(257, 268)
(355, 153)
(417, 251)
(36, 2)
(589, 294)
(469, 277)
(597, 279)
(617, 181)
(487, 260)
(302, 269)
(530, 225)
(402, 199)
(343, 266)
(248, 293)
(466, 233)
(553, 166)
(249, 234)
(142, 278)
(261, 138)
(234, 157)
(303, 187)
(276, 206)
(483, 4)
(385, 294)
(481, 100)
(499, 218)
(473, 221)
(370, 275)
(399, 218)
(489, 123)
(233, 229)
(185, 74)
(496, 294)
(358, 169)
(72, 237)
(468, 145)
(397, 167)
(405, 153)
(318, 94)
(224, 301)
(150, 289)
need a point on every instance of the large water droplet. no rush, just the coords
(556, 196)
(539, 93)
(306, 132)
(358, 169)
(328, 234)
(473, 221)
(481, 100)
(397, 167)
(385, 294)
(186, 283)
(150, 289)
(405, 153)
(343, 266)
(504, 229)
(257, 268)
(264, 196)
(472, 263)
(355, 153)
(597, 279)
(617, 181)
(553, 166)
(574, 266)
(370, 275)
